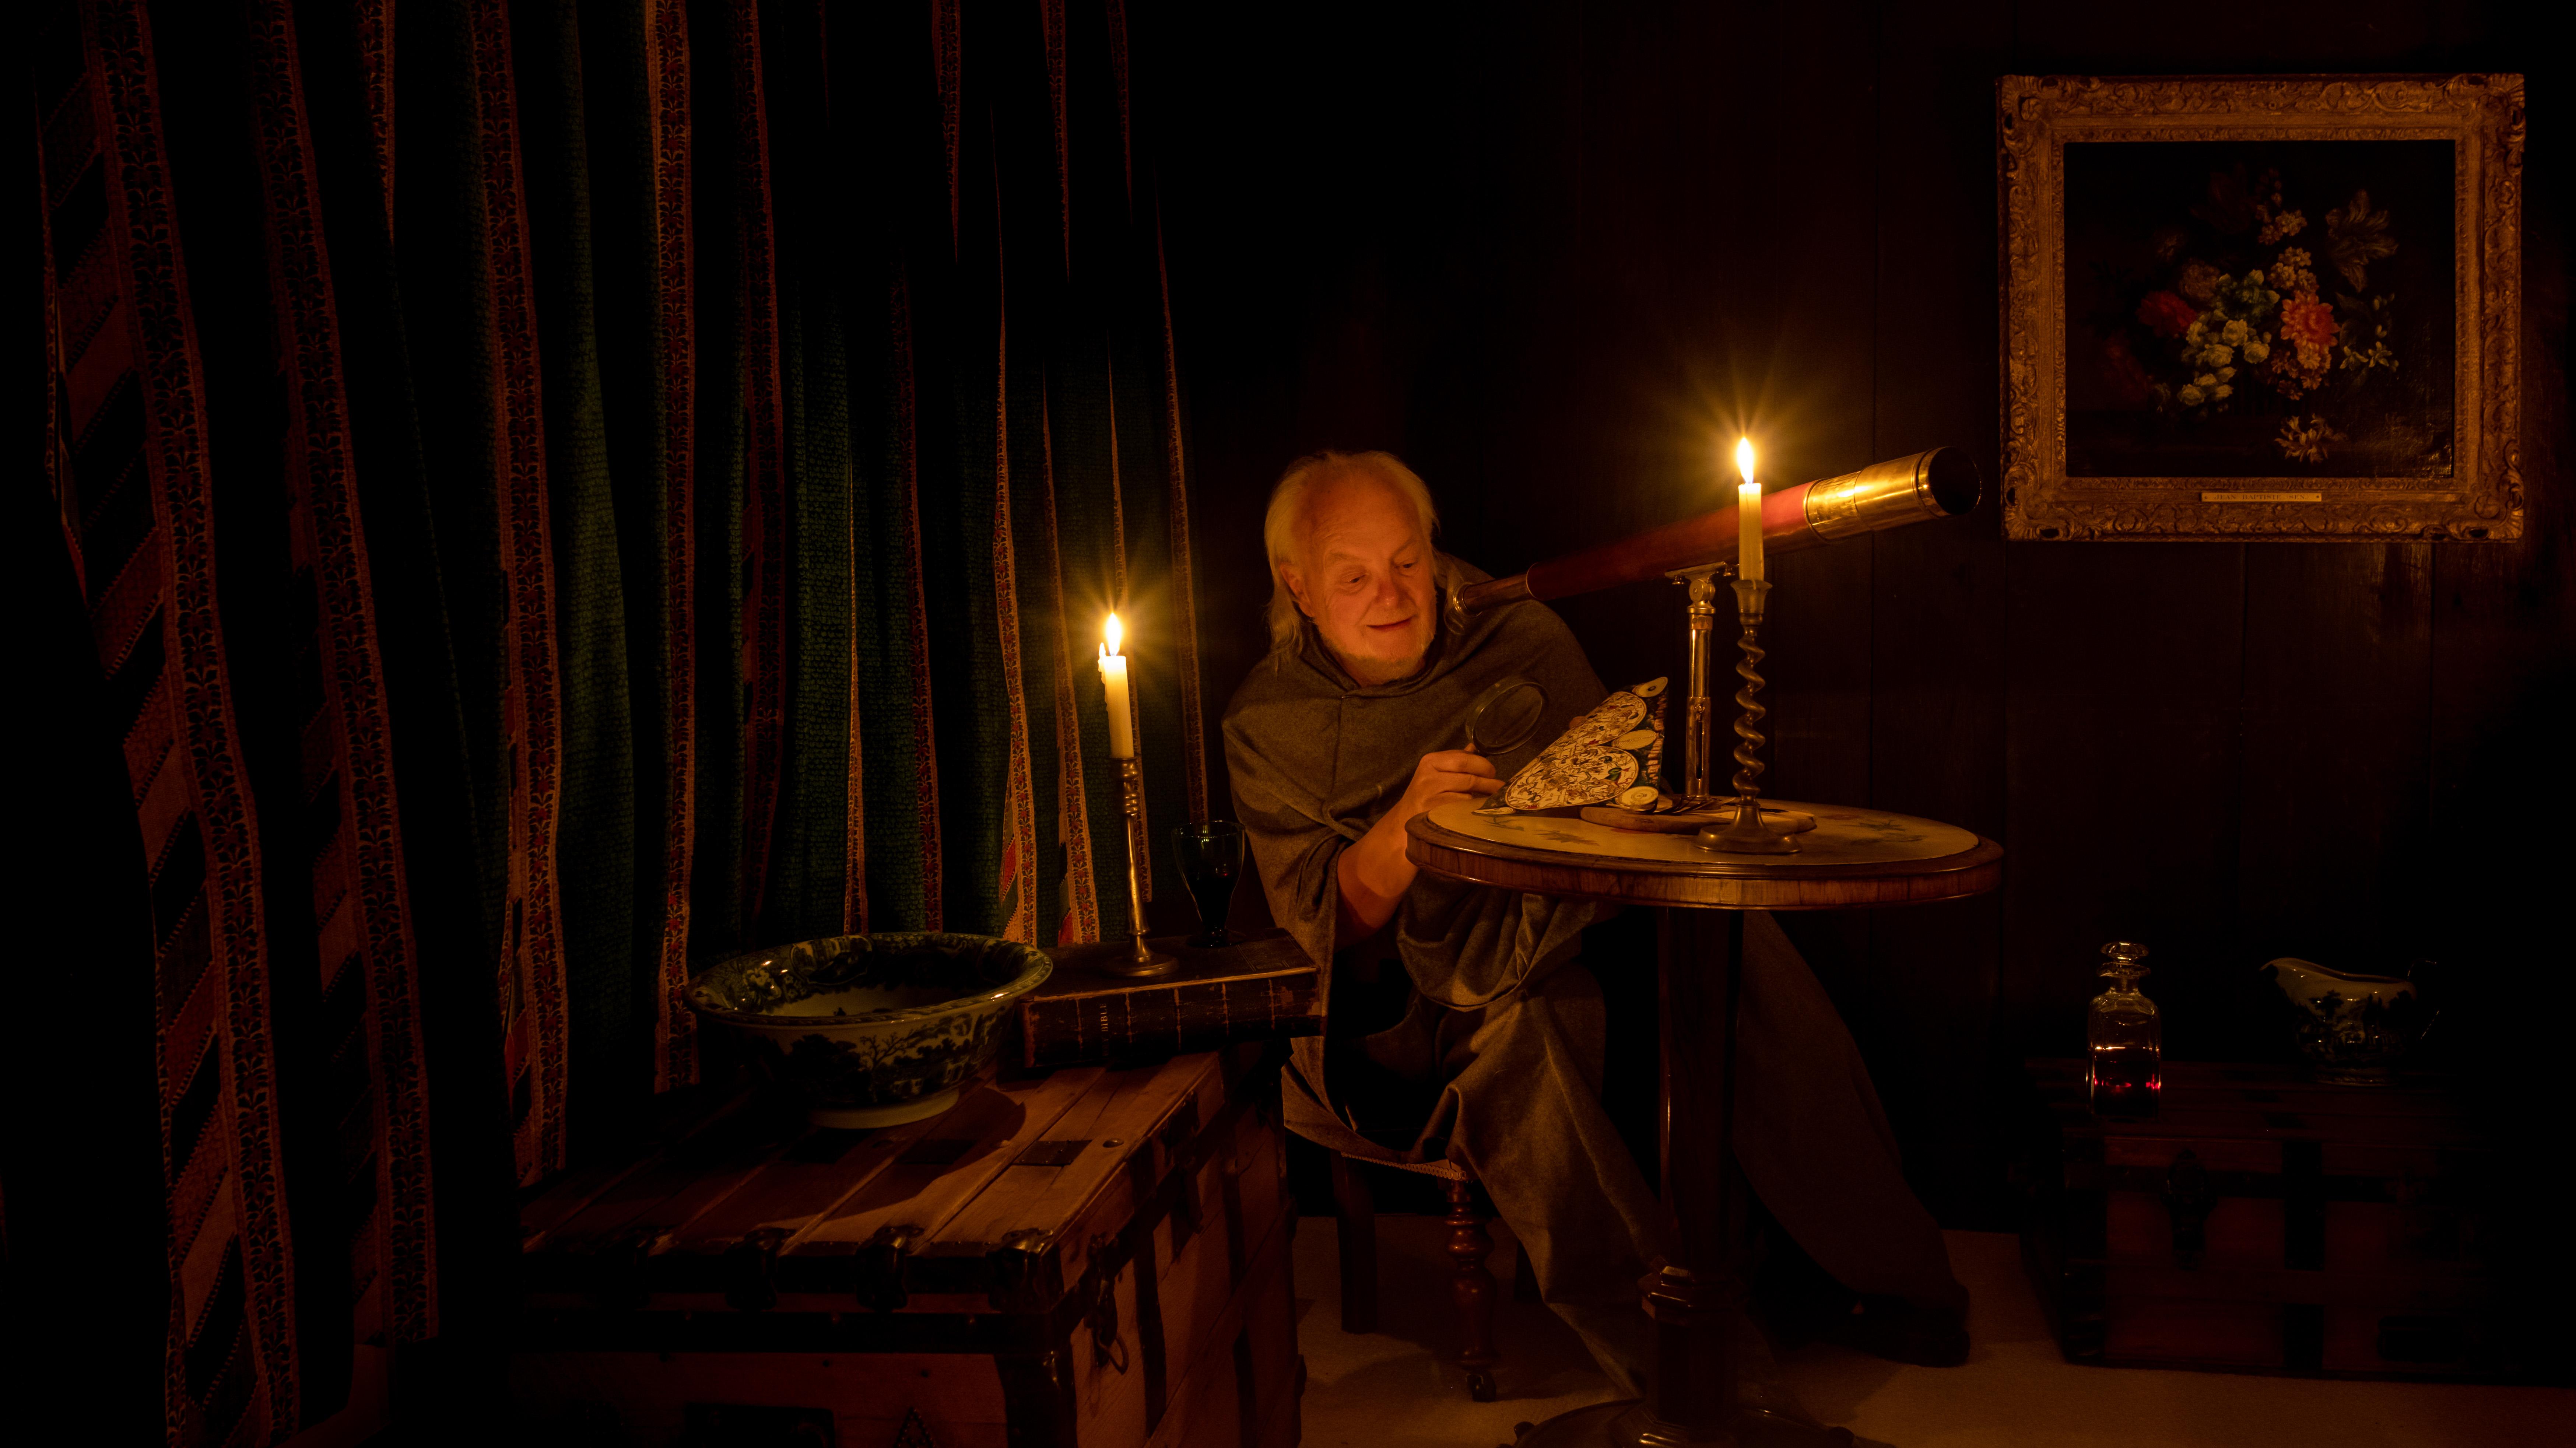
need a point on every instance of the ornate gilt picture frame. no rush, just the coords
(2278, 307)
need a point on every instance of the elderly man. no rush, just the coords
(1346, 732)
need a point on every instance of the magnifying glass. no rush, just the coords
(1505, 716)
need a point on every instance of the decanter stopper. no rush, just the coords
(2124, 1037)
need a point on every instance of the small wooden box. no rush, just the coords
(2261, 1222)
(1090, 1259)
(1262, 988)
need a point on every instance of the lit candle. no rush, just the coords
(1748, 515)
(1122, 714)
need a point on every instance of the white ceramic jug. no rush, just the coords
(2352, 1028)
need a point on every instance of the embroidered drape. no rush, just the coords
(547, 492)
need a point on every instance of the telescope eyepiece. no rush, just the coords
(1949, 477)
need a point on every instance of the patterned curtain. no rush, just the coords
(547, 492)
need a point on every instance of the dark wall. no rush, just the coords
(1557, 256)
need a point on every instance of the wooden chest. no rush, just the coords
(1092, 1259)
(2261, 1222)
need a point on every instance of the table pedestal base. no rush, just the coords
(1633, 1424)
(1695, 1295)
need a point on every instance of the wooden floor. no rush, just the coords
(1394, 1388)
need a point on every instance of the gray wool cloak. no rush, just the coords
(1316, 759)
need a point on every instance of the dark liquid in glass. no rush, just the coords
(1212, 886)
(2126, 1080)
(1210, 854)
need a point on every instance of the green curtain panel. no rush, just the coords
(550, 492)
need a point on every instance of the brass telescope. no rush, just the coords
(1942, 483)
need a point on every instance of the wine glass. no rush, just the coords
(1210, 853)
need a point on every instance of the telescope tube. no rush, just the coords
(1942, 483)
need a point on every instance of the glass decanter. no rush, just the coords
(2126, 1040)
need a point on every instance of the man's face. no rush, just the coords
(1365, 579)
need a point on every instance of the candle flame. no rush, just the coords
(1114, 632)
(1744, 457)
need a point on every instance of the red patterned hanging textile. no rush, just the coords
(530, 981)
(133, 479)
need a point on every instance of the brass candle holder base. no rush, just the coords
(1746, 834)
(1140, 960)
(1695, 750)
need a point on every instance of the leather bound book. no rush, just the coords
(1262, 988)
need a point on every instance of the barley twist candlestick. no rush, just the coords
(1749, 714)
(1746, 834)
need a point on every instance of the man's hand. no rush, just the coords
(1374, 873)
(1451, 774)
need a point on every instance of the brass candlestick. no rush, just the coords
(1141, 959)
(1695, 750)
(1746, 834)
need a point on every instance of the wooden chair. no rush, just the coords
(1471, 1285)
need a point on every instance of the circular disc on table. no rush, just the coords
(1853, 857)
(1787, 822)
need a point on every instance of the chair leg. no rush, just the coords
(1355, 1236)
(1471, 1286)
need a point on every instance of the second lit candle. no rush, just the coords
(1113, 676)
(1748, 515)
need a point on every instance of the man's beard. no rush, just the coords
(1374, 673)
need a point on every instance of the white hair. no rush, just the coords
(1283, 526)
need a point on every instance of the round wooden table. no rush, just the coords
(1853, 859)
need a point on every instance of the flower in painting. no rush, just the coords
(2199, 281)
(2282, 227)
(2120, 367)
(2166, 315)
(2246, 296)
(2290, 271)
(2304, 441)
(2377, 354)
(2233, 317)
(2356, 237)
(2307, 324)
(2288, 377)
(2230, 207)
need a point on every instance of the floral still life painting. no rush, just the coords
(2235, 301)
(2261, 306)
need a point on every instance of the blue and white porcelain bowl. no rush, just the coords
(874, 1029)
